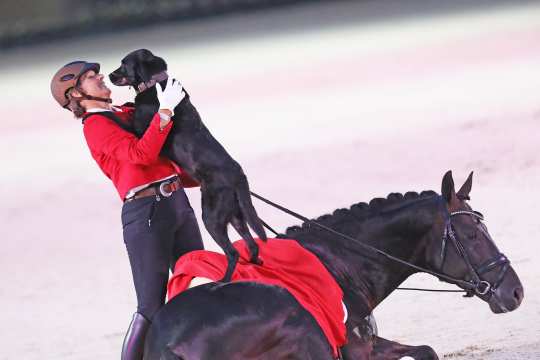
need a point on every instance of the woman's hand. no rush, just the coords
(171, 96)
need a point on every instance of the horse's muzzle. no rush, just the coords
(508, 296)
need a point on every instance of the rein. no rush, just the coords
(476, 285)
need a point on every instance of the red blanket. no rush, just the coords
(286, 264)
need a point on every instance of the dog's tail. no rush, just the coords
(249, 212)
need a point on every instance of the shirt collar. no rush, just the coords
(95, 110)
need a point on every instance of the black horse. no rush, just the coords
(243, 320)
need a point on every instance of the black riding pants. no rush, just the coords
(157, 231)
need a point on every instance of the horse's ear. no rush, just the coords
(465, 190)
(448, 191)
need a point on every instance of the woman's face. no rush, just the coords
(93, 84)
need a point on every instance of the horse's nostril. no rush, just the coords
(518, 294)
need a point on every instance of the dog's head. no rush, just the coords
(137, 67)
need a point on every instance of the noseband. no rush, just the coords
(479, 286)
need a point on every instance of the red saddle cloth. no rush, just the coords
(285, 264)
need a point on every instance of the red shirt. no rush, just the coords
(286, 264)
(125, 159)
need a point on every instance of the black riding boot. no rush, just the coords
(133, 347)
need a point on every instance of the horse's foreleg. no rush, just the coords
(359, 343)
(384, 349)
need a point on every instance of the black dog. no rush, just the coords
(224, 188)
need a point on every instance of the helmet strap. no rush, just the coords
(85, 96)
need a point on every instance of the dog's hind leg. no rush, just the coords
(248, 210)
(219, 233)
(232, 258)
(215, 216)
(241, 228)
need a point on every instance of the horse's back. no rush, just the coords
(240, 320)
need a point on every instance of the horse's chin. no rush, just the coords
(499, 306)
(506, 297)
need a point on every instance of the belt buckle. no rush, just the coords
(162, 190)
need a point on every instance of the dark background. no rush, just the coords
(27, 22)
(324, 103)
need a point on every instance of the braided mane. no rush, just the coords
(361, 211)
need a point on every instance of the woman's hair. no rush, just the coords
(75, 106)
(77, 109)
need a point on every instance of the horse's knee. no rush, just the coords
(422, 352)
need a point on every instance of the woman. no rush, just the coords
(158, 222)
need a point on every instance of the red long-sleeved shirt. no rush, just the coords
(126, 160)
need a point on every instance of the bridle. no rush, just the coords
(479, 286)
(474, 286)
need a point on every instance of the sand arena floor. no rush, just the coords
(324, 106)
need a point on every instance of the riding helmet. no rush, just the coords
(67, 78)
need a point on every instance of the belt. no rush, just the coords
(163, 188)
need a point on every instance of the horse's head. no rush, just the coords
(466, 251)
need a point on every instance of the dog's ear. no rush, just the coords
(148, 64)
(157, 65)
(141, 68)
(142, 71)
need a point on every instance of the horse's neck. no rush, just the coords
(368, 278)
